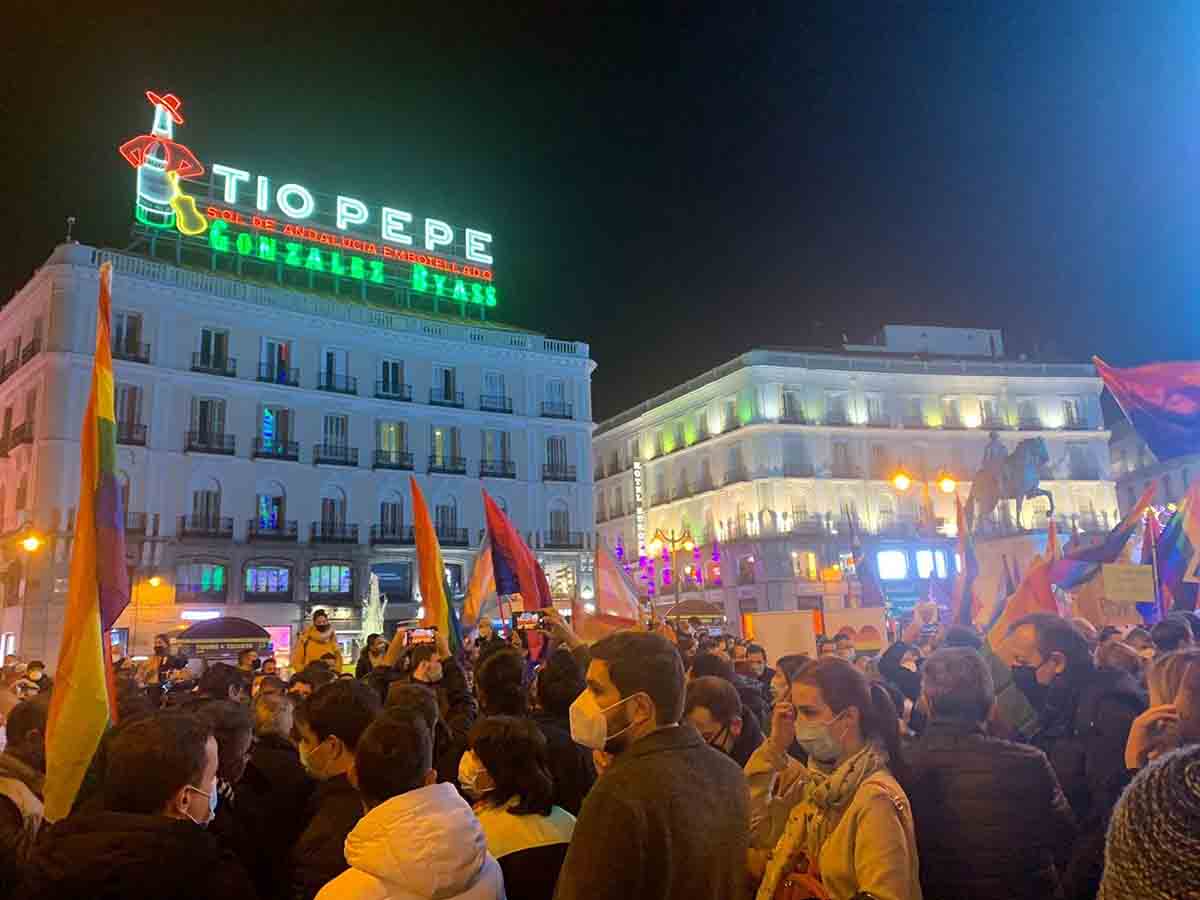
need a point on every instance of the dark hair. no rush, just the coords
(330, 655)
(1137, 632)
(842, 637)
(1108, 632)
(694, 621)
(756, 648)
(343, 709)
(1172, 633)
(716, 695)
(1055, 634)
(560, 682)
(317, 676)
(165, 637)
(498, 680)
(392, 757)
(413, 699)
(219, 678)
(791, 664)
(842, 686)
(151, 759)
(250, 650)
(1193, 622)
(35, 664)
(644, 662)
(228, 721)
(28, 715)
(319, 612)
(271, 683)
(958, 684)
(422, 653)
(711, 664)
(513, 750)
(962, 636)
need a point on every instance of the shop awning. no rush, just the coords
(218, 637)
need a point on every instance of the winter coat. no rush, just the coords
(508, 833)
(20, 817)
(666, 821)
(747, 742)
(571, 765)
(990, 816)
(270, 809)
(312, 645)
(334, 810)
(425, 843)
(115, 856)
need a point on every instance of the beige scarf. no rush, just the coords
(823, 800)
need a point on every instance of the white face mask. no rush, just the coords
(589, 725)
(473, 778)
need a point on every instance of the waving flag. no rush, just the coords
(1162, 403)
(1177, 557)
(83, 702)
(481, 596)
(517, 570)
(1083, 564)
(1034, 594)
(435, 597)
(616, 606)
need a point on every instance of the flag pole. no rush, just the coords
(1154, 568)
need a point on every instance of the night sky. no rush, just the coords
(671, 185)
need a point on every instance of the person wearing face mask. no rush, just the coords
(756, 656)
(843, 819)
(713, 706)
(317, 640)
(156, 671)
(506, 774)
(160, 793)
(22, 773)
(36, 672)
(329, 725)
(667, 819)
(843, 646)
(373, 656)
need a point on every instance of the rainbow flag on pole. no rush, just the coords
(431, 572)
(84, 701)
(481, 596)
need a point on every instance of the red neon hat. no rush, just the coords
(169, 101)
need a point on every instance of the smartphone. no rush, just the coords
(526, 621)
(422, 636)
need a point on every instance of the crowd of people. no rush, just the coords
(659, 763)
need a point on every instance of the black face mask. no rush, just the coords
(1025, 678)
(324, 628)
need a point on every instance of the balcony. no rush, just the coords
(453, 537)
(558, 472)
(337, 384)
(257, 530)
(391, 390)
(497, 468)
(1074, 424)
(393, 459)
(915, 422)
(554, 409)
(879, 420)
(30, 350)
(334, 455)
(798, 470)
(135, 523)
(844, 471)
(333, 533)
(131, 351)
(443, 397)
(270, 373)
(448, 465)
(1030, 424)
(225, 366)
(736, 475)
(993, 423)
(563, 540)
(837, 417)
(131, 433)
(793, 417)
(22, 434)
(210, 442)
(392, 536)
(269, 448)
(495, 403)
(206, 526)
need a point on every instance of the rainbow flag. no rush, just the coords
(1083, 563)
(481, 596)
(84, 700)
(1177, 556)
(1161, 402)
(517, 570)
(615, 606)
(431, 571)
(1033, 594)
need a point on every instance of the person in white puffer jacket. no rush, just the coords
(418, 839)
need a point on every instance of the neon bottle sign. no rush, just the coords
(160, 163)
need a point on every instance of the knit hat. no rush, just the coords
(1153, 846)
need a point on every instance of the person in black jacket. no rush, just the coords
(329, 725)
(715, 709)
(990, 817)
(559, 683)
(22, 774)
(159, 787)
(755, 698)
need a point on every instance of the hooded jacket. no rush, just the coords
(425, 843)
(312, 645)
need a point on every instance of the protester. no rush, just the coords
(559, 682)
(247, 662)
(1139, 639)
(160, 791)
(155, 672)
(843, 819)
(22, 772)
(1171, 634)
(900, 665)
(233, 729)
(507, 775)
(753, 697)
(418, 838)
(985, 809)
(668, 818)
(843, 646)
(317, 640)
(36, 673)
(271, 684)
(1153, 846)
(270, 666)
(1120, 657)
(1156, 731)
(756, 656)
(222, 681)
(373, 655)
(329, 725)
(304, 684)
(713, 707)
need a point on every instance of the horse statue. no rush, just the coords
(1013, 478)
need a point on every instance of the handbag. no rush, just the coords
(802, 883)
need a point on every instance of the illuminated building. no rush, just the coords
(784, 457)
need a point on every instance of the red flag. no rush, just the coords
(1052, 549)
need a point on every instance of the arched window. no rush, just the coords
(391, 514)
(333, 508)
(445, 517)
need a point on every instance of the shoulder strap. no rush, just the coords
(887, 784)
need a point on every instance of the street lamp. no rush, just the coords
(155, 581)
(945, 482)
(32, 543)
(684, 541)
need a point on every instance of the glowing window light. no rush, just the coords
(947, 485)
(924, 563)
(892, 565)
(901, 481)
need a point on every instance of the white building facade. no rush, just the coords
(781, 459)
(266, 441)
(1135, 468)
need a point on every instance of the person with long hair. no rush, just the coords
(841, 824)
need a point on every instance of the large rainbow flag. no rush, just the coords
(1082, 564)
(84, 701)
(431, 572)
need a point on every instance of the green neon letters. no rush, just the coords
(427, 282)
(294, 255)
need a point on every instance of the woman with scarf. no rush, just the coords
(841, 824)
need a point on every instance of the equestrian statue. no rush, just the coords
(1007, 476)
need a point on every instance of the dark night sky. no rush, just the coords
(675, 186)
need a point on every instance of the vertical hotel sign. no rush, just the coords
(639, 506)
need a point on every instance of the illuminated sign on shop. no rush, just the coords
(639, 507)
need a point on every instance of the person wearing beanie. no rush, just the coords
(1153, 846)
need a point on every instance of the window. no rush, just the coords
(950, 410)
(329, 579)
(939, 563)
(989, 410)
(206, 505)
(893, 565)
(30, 406)
(127, 332)
(333, 509)
(495, 445)
(444, 444)
(129, 404)
(1072, 414)
(214, 348)
(444, 383)
(391, 437)
(1027, 411)
(835, 402)
(336, 364)
(275, 361)
(208, 417)
(270, 511)
(493, 385)
(391, 377)
(556, 453)
(842, 464)
(445, 516)
(275, 427)
(556, 391)
(22, 493)
(454, 578)
(391, 516)
(560, 522)
(8, 422)
(268, 580)
(914, 410)
(746, 570)
(874, 403)
(200, 582)
(336, 432)
(804, 564)
(924, 563)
